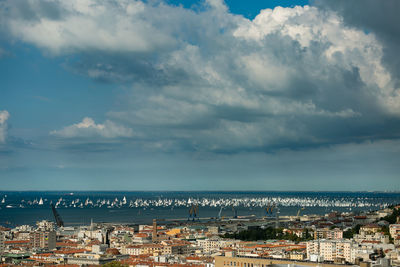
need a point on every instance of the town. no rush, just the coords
(367, 239)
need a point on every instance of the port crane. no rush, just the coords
(234, 212)
(298, 212)
(269, 210)
(193, 212)
(57, 216)
(219, 213)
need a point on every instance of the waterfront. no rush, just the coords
(77, 208)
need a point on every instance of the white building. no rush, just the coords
(212, 245)
(45, 225)
(331, 250)
(377, 237)
(394, 230)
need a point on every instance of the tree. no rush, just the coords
(115, 264)
(267, 233)
(385, 231)
(392, 218)
(351, 232)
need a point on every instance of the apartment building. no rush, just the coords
(43, 239)
(226, 261)
(331, 250)
(326, 233)
(2, 239)
(394, 230)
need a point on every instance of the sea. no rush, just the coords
(82, 207)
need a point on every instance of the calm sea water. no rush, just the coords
(78, 208)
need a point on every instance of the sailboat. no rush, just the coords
(40, 201)
(3, 200)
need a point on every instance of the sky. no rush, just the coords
(200, 95)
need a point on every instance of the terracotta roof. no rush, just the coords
(16, 242)
(141, 235)
(112, 251)
(372, 225)
(69, 251)
(66, 244)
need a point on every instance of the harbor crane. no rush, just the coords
(269, 210)
(219, 213)
(298, 212)
(57, 216)
(193, 212)
(234, 212)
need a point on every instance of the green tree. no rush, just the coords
(351, 232)
(385, 230)
(114, 264)
(267, 233)
(392, 218)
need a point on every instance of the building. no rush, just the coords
(296, 255)
(212, 245)
(2, 239)
(223, 261)
(175, 249)
(376, 237)
(326, 233)
(394, 230)
(45, 225)
(43, 240)
(370, 228)
(154, 235)
(331, 250)
(92, 259)
(133, 250)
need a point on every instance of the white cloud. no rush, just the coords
(209, 79)
(88, 128)
(4, 115)
(87, 25)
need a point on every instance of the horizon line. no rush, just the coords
(211, 191)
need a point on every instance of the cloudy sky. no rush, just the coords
(199, 95)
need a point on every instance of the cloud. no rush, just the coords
(4, 115)
(2, 52)
(88, 128)
(208, 80)
(108, 25)
(378, 18)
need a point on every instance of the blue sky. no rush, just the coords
(199, 95)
